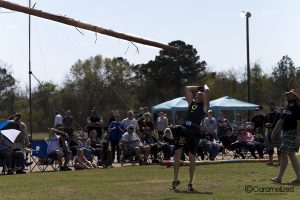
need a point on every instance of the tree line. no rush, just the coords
(114, 84)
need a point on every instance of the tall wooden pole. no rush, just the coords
(78, 24)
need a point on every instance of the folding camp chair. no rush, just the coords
(39, 156)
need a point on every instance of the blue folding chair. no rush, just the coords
(39, 156)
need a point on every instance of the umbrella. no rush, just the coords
(10, 130)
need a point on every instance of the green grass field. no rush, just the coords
(222, 181)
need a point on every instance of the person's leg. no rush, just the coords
(295, 165)
(154, 151)
(118, 152)
(271, 152)
(192, 167)
(146, 152)
(59, 156)
(7, 158)
(259, 148)
(251, 147)
(177, 156)
(166, 151)
(113, 150)
(283, 166)
(137, 152)
(18, 160)
(278, 154)
(67, 155)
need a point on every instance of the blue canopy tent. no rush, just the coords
(229, 103)
(224, 103)
(174, 105)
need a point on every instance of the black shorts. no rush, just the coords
(187, 138)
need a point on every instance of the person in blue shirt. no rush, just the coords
(116, 129)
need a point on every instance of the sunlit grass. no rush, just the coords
(222, 181)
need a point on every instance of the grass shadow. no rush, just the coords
(192, 192)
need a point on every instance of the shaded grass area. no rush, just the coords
(223, 181)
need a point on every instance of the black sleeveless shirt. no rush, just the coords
(195, 113)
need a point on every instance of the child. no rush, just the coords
(80, 161)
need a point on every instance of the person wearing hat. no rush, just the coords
(247, 140)
(198, 101)
(210, 124)
(131, 142)
(290, 126)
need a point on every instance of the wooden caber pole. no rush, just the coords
(78, 24)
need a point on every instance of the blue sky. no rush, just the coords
(213, 27)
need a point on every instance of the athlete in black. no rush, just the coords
(188, 134)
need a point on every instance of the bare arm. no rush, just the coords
(188, 91)
(277, 129)
(206, 98)
(58, 132)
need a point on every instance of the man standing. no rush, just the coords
(258, 121)
(290, 125)
(161, 124)
(130, 120)
(68, 124)
(190, 131)
(94, 122)
(58, 120)
(270, 122)
(210, 125)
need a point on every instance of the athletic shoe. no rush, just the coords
(175, 184)
(190, 187)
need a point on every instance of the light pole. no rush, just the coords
(29, 72)
(247, 15)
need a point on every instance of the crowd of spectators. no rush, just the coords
(148, 140)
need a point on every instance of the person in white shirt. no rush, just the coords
(58, 119)
(210, 124)
(55, 149)
(161, 124)
(131, 141)
(130, 120)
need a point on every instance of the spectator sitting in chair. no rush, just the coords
(99, 149)
(76, 144)
(246, 140)
(210, 146)
(146, 125)
(13, 160)
(229, 142)
(58, 148)
(152, 141)
(228, 139)
(80, 161)
(168, 143)
(132, 141)
(21, 143)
